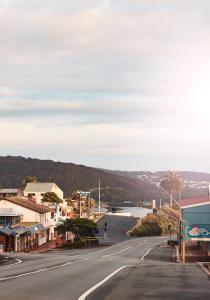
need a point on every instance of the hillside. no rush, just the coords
(188, 192)
(187, 175)
(71, 177)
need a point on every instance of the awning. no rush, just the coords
(7, 231)
(31, 229)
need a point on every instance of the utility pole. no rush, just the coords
(80, 206)
(99, 197)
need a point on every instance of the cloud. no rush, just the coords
(134, 73)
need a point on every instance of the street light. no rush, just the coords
(99, 188)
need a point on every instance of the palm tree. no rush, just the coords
(172, 183)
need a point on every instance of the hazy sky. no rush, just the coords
(120, 84)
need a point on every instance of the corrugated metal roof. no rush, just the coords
(7, 231)
(31, 229)
(22, 230)
(25, 202)
(9, 191)
(42, 187)
(9, 212)
(194, 201)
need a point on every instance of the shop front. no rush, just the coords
(195, 225)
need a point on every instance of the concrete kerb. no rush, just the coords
(204, 267)
(100, 217)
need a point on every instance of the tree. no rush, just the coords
(28, 179)
(51, 197)
(172, 183)
(80, 227)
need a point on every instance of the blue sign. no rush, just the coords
(84, 194)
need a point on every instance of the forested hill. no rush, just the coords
(71, 177)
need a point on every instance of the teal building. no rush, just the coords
(195, 223)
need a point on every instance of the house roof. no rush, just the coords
(194, 202)
(25, 202)
(43, 187)
(9, 212)
(31, 229)
(22, 230)
(9, 191)
(7, 231)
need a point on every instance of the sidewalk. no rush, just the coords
(44, 248)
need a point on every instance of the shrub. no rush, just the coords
(163, 220)
(147, 229)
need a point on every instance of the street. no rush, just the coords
(122, 270)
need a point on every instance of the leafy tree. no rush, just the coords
(51, 197)
(148, 229)
(28, 179)
(172, 183)
(80, 227)
(163, 220)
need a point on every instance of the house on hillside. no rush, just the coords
(24, 224)
(38, 189)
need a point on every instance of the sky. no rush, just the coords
(116, 84)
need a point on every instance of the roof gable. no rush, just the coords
(43, 187)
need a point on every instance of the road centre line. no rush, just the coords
(142, 258)
(88, 292)
(41, 270)
(116, 252)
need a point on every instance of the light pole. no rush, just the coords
(99, 188)
(99, 197)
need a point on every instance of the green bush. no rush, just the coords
(147, 229)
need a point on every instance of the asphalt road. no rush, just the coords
(104, 273)
(117, 227)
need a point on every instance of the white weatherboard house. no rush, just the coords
(38, 189)
(29, 214)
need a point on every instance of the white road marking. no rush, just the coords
(108, 248)
(41, 270)
(88, 292)
(6, 267)
(142, 258)
(19, 261)
(116, 252)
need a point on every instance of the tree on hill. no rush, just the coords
(51, 197)
(172, 184)
(28, 179)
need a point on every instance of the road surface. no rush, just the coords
(88, 273)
